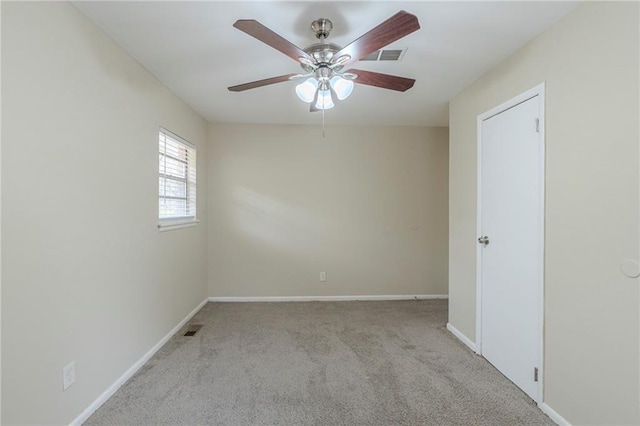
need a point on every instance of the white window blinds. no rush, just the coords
(177, 184)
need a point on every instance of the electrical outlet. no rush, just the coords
(323, 276)
(68, 376)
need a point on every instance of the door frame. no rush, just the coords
(539, 91)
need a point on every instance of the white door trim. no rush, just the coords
(539, 91)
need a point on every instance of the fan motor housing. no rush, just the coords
(322, 53)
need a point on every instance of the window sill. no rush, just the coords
(170, 225)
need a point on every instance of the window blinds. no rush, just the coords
(177, 177)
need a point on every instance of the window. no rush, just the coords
(177, 181)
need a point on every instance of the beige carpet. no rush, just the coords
(319, 363)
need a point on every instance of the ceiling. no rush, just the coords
(193, 49)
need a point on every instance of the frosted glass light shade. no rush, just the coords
(342, 87)
(324, 100)
(307, 90)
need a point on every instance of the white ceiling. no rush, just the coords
(194, 50)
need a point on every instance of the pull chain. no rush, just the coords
(323, 98)
(323, 121)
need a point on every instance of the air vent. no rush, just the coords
(372, 57)
(386, 55)
(192, 330)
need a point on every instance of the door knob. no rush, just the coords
(484, 240)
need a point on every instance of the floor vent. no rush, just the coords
(192, 330)
(386, 55)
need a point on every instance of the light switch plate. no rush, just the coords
(68, 375)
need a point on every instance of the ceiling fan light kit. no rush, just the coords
(324, 81)
(342, 87)
(306, 91)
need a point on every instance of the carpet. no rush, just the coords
(319, 363)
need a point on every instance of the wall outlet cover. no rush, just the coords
(68, 375)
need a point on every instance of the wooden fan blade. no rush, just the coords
(399, 25)
(386, 81)
(257, 30)
(260, 83)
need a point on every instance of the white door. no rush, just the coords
(511, 173)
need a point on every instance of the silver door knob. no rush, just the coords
(484, 240)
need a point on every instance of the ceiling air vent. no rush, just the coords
(386, 55)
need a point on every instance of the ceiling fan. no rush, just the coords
(325, 79)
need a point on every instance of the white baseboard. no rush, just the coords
(553, 415)
(327, 298)
(464, 339)
(132, 370)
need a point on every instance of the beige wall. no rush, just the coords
(589, 61)
(368, 205)
(0, 227)
(86, 275)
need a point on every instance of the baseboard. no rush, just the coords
(132, 370)
(464, 339)
(553, 415)
(327, 298)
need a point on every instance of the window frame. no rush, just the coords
(178, 222)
